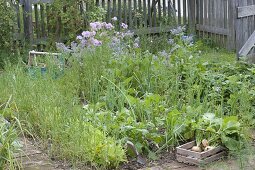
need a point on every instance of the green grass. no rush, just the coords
(154, 101)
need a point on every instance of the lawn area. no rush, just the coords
(112, 97)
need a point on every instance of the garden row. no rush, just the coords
(151, 92)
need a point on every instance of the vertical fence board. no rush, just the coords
(184, 12)
(140, 13)
(154, 13)
(192, 16)
(164, 9)
(130, 14)
(125, 11)
(232, 23)
(144, 13)
(119, 12)
(109, 10)
(18, 17)
(36, 21)
(159, 10)
(135, 13)
(201, 12)
(28, 26)
(114, 13)
(179, 12)
(149, 13)
(205, 16)
(43, 20)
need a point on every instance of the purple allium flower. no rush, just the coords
(114, 19)
(103, 24)
(83, 43)
(93, 33)
(79, 37)
(86, 34)
(95, 42)
(93, 26)
(124, 26)
(109, 26)
(98, 25)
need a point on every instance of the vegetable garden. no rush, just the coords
(112, 96)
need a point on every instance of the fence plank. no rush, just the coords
(28, 27)
(18, 17)
(214, 30)
(42, 10)
(164, 8)
(248, 45)
(192, 16)
(109, 10)
(205, 18)
(159, 10)
(130, 14)
(246, 11)
(154, 13)
(179, 12)
(149, 13)
(232, 25)
(140, 21)
(135, 14)
(184, 12)
(119, 12)
(125, 11)
(36, 21)
(145, 13)
(114, 13)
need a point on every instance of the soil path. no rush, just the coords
(31, 158)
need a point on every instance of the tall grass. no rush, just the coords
(149, 99)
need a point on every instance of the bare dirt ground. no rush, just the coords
(31, 158)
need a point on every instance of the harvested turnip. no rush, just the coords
(196, 149)
(207, 148)
(205, 143)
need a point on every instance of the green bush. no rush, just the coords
(7, 24)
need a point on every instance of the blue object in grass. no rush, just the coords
(43, 71)
(56, 71)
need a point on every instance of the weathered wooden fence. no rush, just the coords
(229, 23)
(147, 16)
(245, 27)
(214, 20)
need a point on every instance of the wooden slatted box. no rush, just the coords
(186, 155)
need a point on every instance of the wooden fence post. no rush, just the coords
(28, 25)
(192, 16)
(232, 19)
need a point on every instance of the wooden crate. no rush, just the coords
(186, 155)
